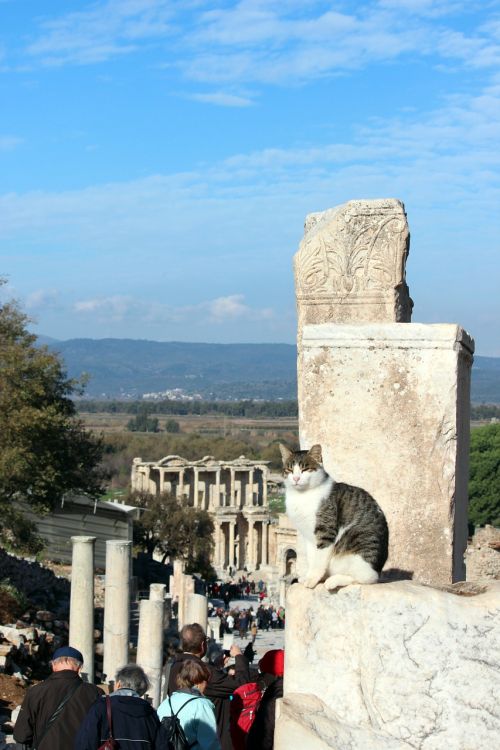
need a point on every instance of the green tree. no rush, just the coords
(484, 483)
(172, 426)
(45, 450)
(174, 529)
(142, 422)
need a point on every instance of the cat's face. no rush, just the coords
(302, 470)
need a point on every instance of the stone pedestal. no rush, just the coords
(389, 404)
(395, 665)
(116, 606)
(197, 610)
(81, 615)
(150, 644)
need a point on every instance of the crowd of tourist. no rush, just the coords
(216, 700)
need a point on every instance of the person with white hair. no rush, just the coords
(123, 716)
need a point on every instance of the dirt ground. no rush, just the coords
(11, 691)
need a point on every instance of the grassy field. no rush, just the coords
(205, 425)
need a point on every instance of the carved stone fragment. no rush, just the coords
(350, 267)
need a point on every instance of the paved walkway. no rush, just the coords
(266, 639)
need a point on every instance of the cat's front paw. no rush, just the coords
(310, 583)
(337, 581)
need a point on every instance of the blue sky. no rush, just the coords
(158, 158)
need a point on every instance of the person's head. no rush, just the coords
(215, 655)
(66, 658)
(133, 677)
(194, 639)
(273, 662)
(193, 674)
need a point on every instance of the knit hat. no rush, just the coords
(273, 662)
(68, 652)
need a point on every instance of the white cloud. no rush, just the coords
(9, 142)
(222, 99)
(115, 307)
(271, 42)
(104, 31)
(220, 310)
(233, 306)
(42, 299)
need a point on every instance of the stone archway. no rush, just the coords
(290, 562)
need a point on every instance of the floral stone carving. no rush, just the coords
(350, 266)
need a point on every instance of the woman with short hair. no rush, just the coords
(134, 722)
(195, 712)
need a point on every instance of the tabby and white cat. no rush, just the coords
(344, 530)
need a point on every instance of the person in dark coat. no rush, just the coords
(135, 722)
(261, 734)
(221, 685)
(42, 700)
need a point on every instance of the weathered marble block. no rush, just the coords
(389, 404)
(350, 267)
(396, 665)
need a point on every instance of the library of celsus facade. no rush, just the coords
(235, 493)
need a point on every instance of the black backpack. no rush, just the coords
(171, 734)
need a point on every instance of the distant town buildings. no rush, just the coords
(173, 394)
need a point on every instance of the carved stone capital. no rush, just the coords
(350, 267)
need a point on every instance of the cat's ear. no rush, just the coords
(315, 454)
(285, 453)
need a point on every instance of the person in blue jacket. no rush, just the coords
(196, 713)
(134, 722)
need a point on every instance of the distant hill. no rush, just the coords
(129, 368)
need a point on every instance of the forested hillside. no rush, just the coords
(128, 369)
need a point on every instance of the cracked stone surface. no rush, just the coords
(395, 665)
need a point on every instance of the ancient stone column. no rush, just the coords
(220, 552)
(187, 589)
(196, 490)
(251, 553)
(116, 606)
(265, 473)
(81, 615)
(181, 484)
(232, 524)
(157, 592)
(217, 489)
(388, 400)
(150, 642)
(197, 610)
(232, 493)
(249, 493)
(265, 542)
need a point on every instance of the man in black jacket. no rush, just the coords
(37, 724)
(221, 685)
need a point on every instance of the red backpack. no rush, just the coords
(244, 704)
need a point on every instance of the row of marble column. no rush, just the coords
(191, 607)
(211, 505)
(116, 635)
(233, 554)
